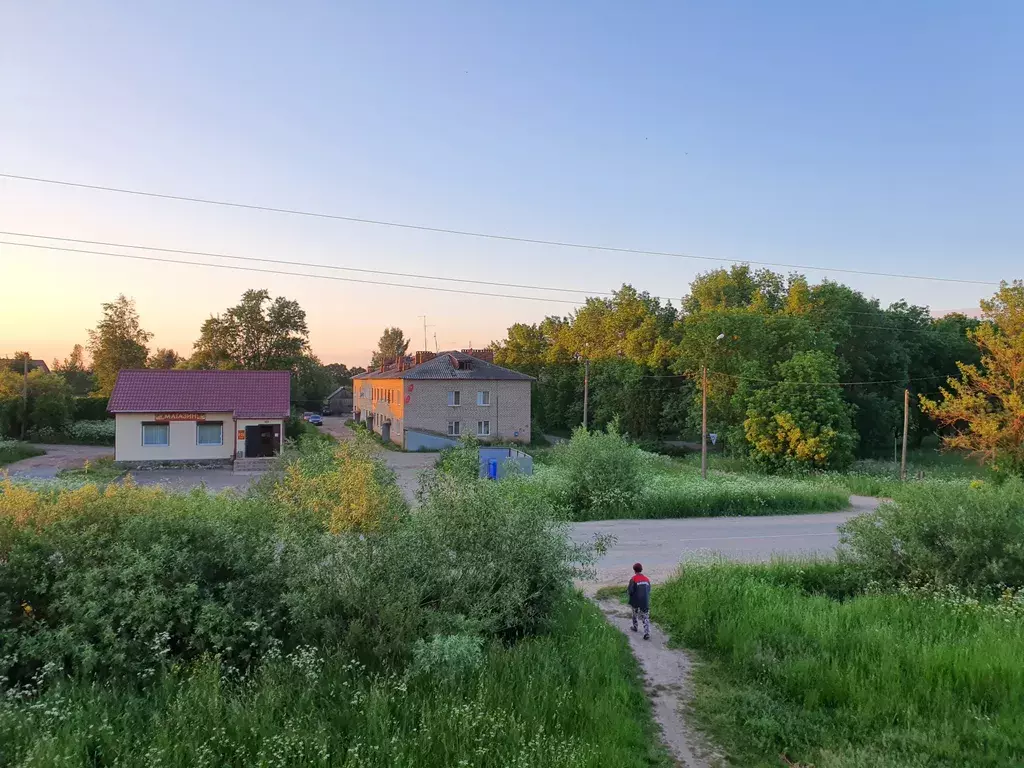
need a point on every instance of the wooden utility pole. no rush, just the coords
(704, 423)
(586, 389)
(906, 425)
(24, 395)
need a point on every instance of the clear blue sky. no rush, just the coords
(881, 136)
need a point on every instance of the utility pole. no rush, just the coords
(586, 389)
(24, 395)
(906, 424)
(704, 423)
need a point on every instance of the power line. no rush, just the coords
(304, 264)
(470, 233)
(806, 383)
(211, 254)
(290, 274)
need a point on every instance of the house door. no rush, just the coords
(385, 431)
(262, 440)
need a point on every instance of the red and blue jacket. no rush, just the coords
(639, 590)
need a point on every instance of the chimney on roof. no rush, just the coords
(424, 356)
(487, 355)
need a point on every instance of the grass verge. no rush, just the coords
(15, 450)
(100, 471)
(569, 699)
(803, 665)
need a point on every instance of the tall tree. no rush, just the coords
(392, 345)
(117, 342)
(75, 372)
(164, 359)
(985, 407)
(257, 334)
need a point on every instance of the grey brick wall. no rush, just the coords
(508, 412)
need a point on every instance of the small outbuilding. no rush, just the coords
(198, 417)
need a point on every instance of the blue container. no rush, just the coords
(492, 469)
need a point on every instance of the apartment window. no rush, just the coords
(483, 398)
(155, 433)
(483, 428)
(210, 433)
(454, 398)
(454, 429)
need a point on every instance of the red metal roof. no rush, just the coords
(247, 394)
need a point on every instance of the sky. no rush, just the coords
(872, 136)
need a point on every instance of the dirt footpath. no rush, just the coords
(667, 679)
(56, 458)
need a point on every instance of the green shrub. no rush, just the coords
(604, 474)
(13, 450)
(91, 408)
(78, 433)
(970, 536)
(447, 657)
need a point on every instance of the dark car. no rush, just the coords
(316, 419)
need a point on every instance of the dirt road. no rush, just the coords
(56, 458)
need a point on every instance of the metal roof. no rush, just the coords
(443, 367)
(246, 394)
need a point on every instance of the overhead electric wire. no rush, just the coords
(470, 233)
(164, 260)
(807, 383)
(257, 259)
(303, 264)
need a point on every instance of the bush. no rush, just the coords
(447, 657)
(604, 474)
(78, 433)
(13, 450)
(967, 535)
(91, 409)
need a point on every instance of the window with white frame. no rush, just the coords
(210, 433)
(155, 433)
(483, 398)
(483, 428)
(455, 398)
(454, 428)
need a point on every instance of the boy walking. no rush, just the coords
(639, 590)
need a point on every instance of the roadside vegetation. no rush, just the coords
(14, 450)
(904, 652)
(602, 476)
(312, 621)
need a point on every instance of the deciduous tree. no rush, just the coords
(985, 407)
(117, 342)
(392, 345)
(259, 333)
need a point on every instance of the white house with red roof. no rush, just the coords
(198, 417)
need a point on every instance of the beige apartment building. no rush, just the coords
(434, 401)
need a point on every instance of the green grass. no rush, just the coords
(14, 450)
(569, 699)
(102, 470)
(361, 429)
(801, 663)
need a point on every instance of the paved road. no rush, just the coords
(662, 544)
(57, 457)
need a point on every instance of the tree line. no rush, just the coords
(799, 374)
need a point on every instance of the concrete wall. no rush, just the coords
(128, 439)
(508, 412)
(423, 441)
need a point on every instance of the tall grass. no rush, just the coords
(14, 450)
(567, 700)
(873, 679)
(674, 494)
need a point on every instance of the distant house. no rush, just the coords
(18, 365)
(208, 417)
(434, 400)
(339, 402)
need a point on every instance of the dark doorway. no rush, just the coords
(385, 432)
(262, 440)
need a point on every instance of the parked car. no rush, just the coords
(316, 419)
(306, 415)
(326, 411)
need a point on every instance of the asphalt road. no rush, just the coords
(662, 544)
